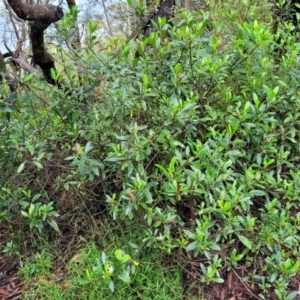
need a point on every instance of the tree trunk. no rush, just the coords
(40, 56)
(165, 9)
(41, 16)
(189, 4)
(47, 13)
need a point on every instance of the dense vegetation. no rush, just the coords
(170, 163)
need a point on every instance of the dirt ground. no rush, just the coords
(233, 288)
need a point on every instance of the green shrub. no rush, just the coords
(193, 136)
(200, 135)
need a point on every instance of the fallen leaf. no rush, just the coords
(42, 280)
(65, 286)
(4, 292)
(76, 258)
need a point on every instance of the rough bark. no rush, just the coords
(47, 13)
(41, 16)
(39, 54)
(164, 10)
(189, 4)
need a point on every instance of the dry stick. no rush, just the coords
(241, 280)
(107, 19)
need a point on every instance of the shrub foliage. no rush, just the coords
(191, 132)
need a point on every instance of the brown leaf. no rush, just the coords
(238, 290)
(76, 258)
(4, 292)
(42, 280)
(65, 286)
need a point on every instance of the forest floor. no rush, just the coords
(165, 277)
(234, 287)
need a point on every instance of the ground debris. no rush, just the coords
(234, 286)
(11, 285)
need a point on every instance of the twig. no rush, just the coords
(241, 280)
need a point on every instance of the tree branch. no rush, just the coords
(47, 13)
(41, 16)
(40, 56)
(24, 64)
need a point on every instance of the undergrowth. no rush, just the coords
(190, 134)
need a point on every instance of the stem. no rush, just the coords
(107, 20)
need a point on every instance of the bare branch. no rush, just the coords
(8, 49)
(24, 64)
(7, 54)
(107, 19)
